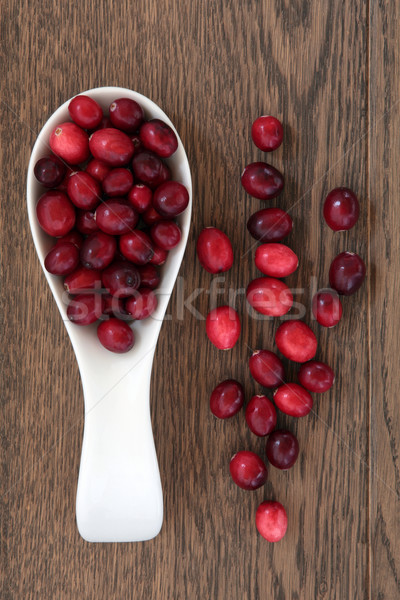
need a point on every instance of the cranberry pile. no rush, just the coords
(294, 339)
(111, 204)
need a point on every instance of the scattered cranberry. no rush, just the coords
(115, 335)
(149, 276)
(142, 304)
(269, 296)
(111, 146)
(166, 234)
(86, 222)
(262, 181)
(50, 171)
(267, 368)
(341, 209)
(70, 143)
(347, 273)
(293, 400)
(260, 415)
(296, 341)
(82, 280)
(159, 257)
(214, 250)
(137, 247)
(83, 190)
(121, 279)
(150, 169)
(170, 199)
(276, 260)
(126, 114)
(248, 471)
(267, 133)
(116, 217)
(157, 136)
(140, 196)
(282, 449)
(74, 237)
(98, 250)
(62, 259)
(117, 182)
(55, 213)
(227, 399)
(85, 111)
(223, 327)
(316, 376)
(270, 225)
(327, 308)
(151, 216)
(85, 309)
(97, 169)
(271, 521)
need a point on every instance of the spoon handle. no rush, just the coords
(119, 497)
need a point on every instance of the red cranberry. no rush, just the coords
(269, 296)
(74, 237)
(126, 114)
(98, 250)
(105, 123)
(223, 327)
(115, 335)
(111, 146)
(170, 199)
(114, 307)
(117, 182)
(227, 399)
(55, 213)
(282, 449)
(293, 400)
(49, 171)
(85, 112)
(316, 376)
(157, 136)
(116, 217)
(62, 259)
(136, 142)
(166, 234)
(70, 143)
(271, 521)
(296, 341)
(267, 133)
(86, 222)
(248, 471)
(62, 187)
(214, 250)
(347, 273)
(276, 260)
(150, 169)
(142, 304)
(267, 368)
(151, 216)
(140, 196)
(327, 308)
(137, 247)
(97, 169)
(260, 415)
(121, 279)
(270, 225)
(85, 309)
(82, 280)
(159, 257)
(149, 276)
(83, 190)
(262, 181)
(341, 209)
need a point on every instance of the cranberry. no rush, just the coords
(86, 222)
(74, 237)
(327, 308)
(267, 133)
(85, 309)
(267, 368)
(82, 280)
(282, 449)
(227, 399)
(55, 213)
(142, 304)
(296, 341)
(159, 257)
(85, 112)
(117, 182)
(150, 169)
(140, 196)
(115, 335)
(62, 259)
(49, 171)
(223, 327)
(157, 136)
(262, 181)
(214, 250)
(260, 415)
(269, 296)
(136, 247)
(121, 279)
(293, 400)
(111, 146)
(170, 199)
(276, 260)
(248, 471)
(136, 142)
(70, 143)
(149, 276)
(105, 123)
(166, 234)
(316, 376)
(341, 209)
(63, 185)
(270, 225)
(98, 250)
(97, 169)
(347, 273)
(83, 190)
(271, 521)
(126, 114)
(116, 217)
(151, 216)
(114, 307)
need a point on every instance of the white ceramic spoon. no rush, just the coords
(119, 497)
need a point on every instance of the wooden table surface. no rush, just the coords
(330, 71)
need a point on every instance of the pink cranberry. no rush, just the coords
(83, 190)
(85, 309)
(270, 225)
(282, 449)
(223, 327)
(81, 280)
(316, 376)
(293, 400)
(126, 114)
(166, 234)
(49, 171)
(142, 304)
(121, 279)
(262, 181)
(296, 341)
(341, 209)
(70, 143)
(327, 308)
(267, 133)
(267, 368)
(171, 199)
(151, 216)
(55, 213)
(137, 247)
(227, 399)
(159, 257)
(98, 250)
(85, 112)
(157, 136)
(86, 222)
(74, 237)
(62, 259)
(248, 471)
(214, 250)
(347, 273)
(271, 521)
(115, 335)
(111, 146)
(117, 182)
(140, 197)
(269, 296)
(150, 169)
(97, 169)
(116, 217)
(149, 276)
(276, 260)
(260, 415)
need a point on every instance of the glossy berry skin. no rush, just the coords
(316, 376)
(282, 449)
(126, 114)
(117, 182)
(261, 415)
(166, 234)
(327, 308)
(271, 521)
(296, 341)
(150, 169)
(62, 259)
(70, 143)
(267, 368)
(82, 280)
(347, 273)
(97, 169)
(223, 327)
(86, 222)
(151, 216)
(55, 213)
(269, 296)
(270, 225)
(247, 470)
(276, 260)
(267, 133)
(116, 335)
(137, 247)
(262, 181)
(111, 146)
(85, 309)
(341, 209)
(159, 257)
(140, 197)
(98, 250)
(116, 217)
(83, 190)
(149, 276)
(85, 112)
(214, 250)
(50, 171)
(293, 400)
(157, 136)
(170, 199)
(142, 304)
(74, 237)
(121, 279)
(226, 399)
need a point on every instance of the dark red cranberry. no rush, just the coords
(316, 376)
(74, 237)
(126, 114)
(282, 449)
(159, 257)
(347, 273)
(86, 222)
(50, 171)
(137, 247)
(81, 280)
(248, 471)
(327, 308)
(269, 296)
(55, 213)
(62, 259)
(98, 250)
(267, 368)
(121, 279)
(136, 142)
(85, 111)
(83, 190)
(63, 185)
(170, 199)
(267, 133)
(150, 169)
(157, 136)
(271, 520)
(97, 169)
(341, 209)
(165, 234)
(105, 123)
(140, 196)
(149, 276)
(117, 182)
(70, 143)
(223, 327)
(116, 217)
(270, 225)
(296, 341)
(151, 216)
(227, 399)
(142, 304)
(111, 146)
(115, 335)
(292, 399)
(262, 181)
(214, 250)
(114, 307)
(85, 309)
(260, 415)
